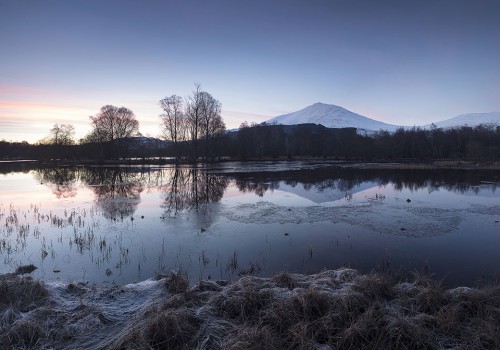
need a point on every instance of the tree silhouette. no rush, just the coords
(198, 120)
(174, 121)
(112, 125)
(62, 134)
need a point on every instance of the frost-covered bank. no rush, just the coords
(332, 309)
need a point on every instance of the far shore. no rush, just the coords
(461, 164)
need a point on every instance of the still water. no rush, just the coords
(126, 224)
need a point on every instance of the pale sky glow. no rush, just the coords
(401, 62)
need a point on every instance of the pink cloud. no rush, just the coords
(34, 111)
(23, 90)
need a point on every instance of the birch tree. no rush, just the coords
(174, 122)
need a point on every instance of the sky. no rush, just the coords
(405, 62)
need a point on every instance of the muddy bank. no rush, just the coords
(332, 309)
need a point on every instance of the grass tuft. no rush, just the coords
(285, 280)
(244, 301)
(25, 269)
(175, 329)
(24, 334)
(22, 294)
(177, 282)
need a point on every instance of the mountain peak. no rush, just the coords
(331, 116)
(470, 119)
(324, 105)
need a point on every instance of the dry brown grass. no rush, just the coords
(243, 301)
(472, 318)
(177, 282)
(345, 311)
(22, 294)
(22, 335)
(176, 329)
(285, 280)
(19, 295)
(333, 309)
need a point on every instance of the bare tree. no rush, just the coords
(61, 135)
(194, 107)
(203, 113)
(197, 118)
(173, 120)
(211, 123)
(113, 123)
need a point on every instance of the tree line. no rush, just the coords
(311, 140)
(195, 121)
(193, 129)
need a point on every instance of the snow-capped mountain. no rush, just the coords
(332, 116)
(469, 119)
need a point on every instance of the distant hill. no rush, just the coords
(332, 116)
(143, 145)
(469, 119)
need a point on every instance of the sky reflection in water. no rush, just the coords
(124, 224)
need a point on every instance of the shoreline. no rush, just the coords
(331, 309)
(410, 164)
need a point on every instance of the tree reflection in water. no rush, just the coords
(118, 192)
(188, 199)
(118, 189)
(61, 180)
(259, 187)
(191, 189)
(345, 179)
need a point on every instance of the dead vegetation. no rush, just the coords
(331, 310)
(25, 269)
(20, 295)
(177, 282)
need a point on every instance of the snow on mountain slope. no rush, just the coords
(331, 116)
(469, 119)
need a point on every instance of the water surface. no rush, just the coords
(125, 224)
